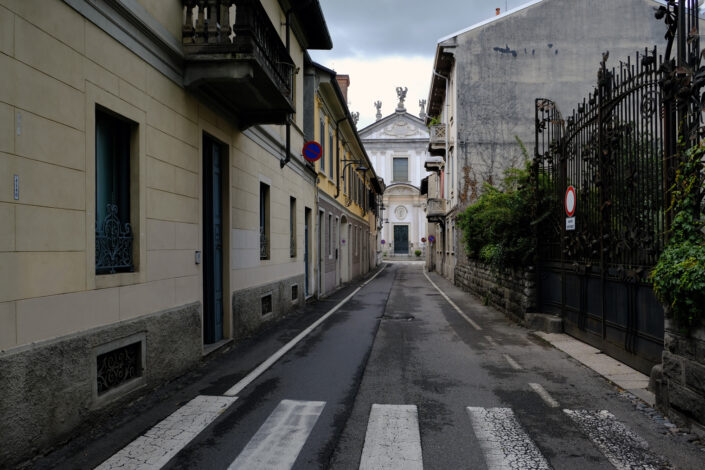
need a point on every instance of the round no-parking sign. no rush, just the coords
(570, 201)
(312, 151)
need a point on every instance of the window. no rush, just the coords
(330, 239)
(332, 152)
(323, 145)
(336, 228)
(113, 237)
(263, 221)
(292, 227)
(266, 303)
(400, 170)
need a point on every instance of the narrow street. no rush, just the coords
(410, 373)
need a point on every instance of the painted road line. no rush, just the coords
(545, 396)
(515, 365)
(462, 314)
(277, 443)
(392, 440)
(623, 448)
(262, 368)
(158, 445)
(492, 342)
(503, 441)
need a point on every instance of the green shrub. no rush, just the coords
(679, 274)
(498, 228)
(417, 253)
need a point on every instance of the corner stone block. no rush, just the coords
(672, 367)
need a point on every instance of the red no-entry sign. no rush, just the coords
(311, 151)
(570, 200)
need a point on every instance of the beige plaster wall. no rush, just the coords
(56, 67)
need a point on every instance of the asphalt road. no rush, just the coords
(396, 377)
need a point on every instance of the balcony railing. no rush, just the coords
(437, 139)
(435, 210)
(235, 57)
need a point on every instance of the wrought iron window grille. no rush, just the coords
(263, 244)
(119, 366)
(113, 244)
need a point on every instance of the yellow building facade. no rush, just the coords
(348, 189)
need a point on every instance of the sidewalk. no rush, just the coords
(614, 371)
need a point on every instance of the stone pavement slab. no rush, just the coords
(619, 374)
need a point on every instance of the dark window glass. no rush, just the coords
(112, 194)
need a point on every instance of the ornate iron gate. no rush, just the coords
(617, 150)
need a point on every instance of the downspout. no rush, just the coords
(287, 158)
(337, 157)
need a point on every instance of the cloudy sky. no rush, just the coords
(383, 44)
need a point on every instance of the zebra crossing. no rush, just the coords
(392, 439)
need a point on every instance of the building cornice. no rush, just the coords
(131, 25)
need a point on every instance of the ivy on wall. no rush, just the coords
(679, 275)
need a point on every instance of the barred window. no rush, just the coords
(114, 237)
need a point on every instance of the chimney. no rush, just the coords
(497, 12)
(343, 83)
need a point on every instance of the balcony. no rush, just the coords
(243, 70)
(437, 140)
(434, 164)
(436, 210)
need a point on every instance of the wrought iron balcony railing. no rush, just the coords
(236, 59)
(437, 139)
(435, 210)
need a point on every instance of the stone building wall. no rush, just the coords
(679, 383)
(513, 291)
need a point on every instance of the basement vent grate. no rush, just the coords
(295, 292)
(119, 366)
(267, 304)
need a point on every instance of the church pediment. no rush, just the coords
(396, 126)
(401, 190)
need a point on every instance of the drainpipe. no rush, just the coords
(337, 157)
(287, 158)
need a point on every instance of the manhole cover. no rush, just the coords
(398, 317)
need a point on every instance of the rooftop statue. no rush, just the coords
(401, 93)
(378, 105)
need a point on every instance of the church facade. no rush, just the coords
(397, 146)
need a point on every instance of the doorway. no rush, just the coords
(307, 261)
(401, 239)
(214, 165)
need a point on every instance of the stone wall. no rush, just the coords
(513, 291)
(679, 383)
(247, 304)
(49, 391)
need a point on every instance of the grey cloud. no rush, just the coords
(373, 28)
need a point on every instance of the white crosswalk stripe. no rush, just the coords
(392, 440)
(503, 441)
(158, 445)
(623, 448)
(277, 443)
